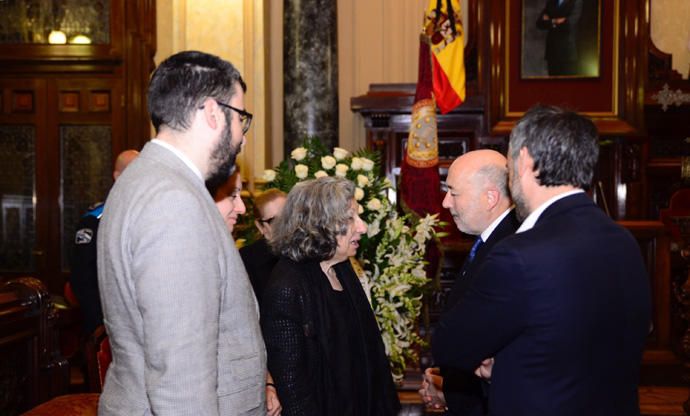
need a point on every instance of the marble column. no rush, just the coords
(310, 62)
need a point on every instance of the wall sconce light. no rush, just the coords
(57, 37)
(81, 40)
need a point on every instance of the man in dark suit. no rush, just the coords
(563, 305)
(560, 19)
(479, 202)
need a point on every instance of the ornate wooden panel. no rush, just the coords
(79, 99)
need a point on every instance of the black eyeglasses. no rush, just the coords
(266, 221)
(245, 116)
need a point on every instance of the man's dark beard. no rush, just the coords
(222, 161)
(521, 209)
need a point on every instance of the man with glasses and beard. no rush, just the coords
(178, 306)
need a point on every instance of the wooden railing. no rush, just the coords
(31, 368)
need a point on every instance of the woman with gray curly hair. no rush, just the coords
(324, 347)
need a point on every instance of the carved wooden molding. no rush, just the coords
(666, 97)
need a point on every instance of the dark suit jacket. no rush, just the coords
(564, 308)
(259, 261)
(462, 389)
(561, 40)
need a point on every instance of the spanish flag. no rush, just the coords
(443, 28)
(440, 82)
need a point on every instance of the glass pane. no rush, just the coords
(86, 176)
(68, 21)
(17, 178)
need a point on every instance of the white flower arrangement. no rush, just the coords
(391, 254)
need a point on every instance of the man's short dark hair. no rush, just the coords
(183, 81)
(563, 144)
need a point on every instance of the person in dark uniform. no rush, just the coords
(84, 280)
(257, 257)
(561, 18)
(479, 201)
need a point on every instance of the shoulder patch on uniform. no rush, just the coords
(83, 236)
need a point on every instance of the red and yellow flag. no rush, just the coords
(440, 81)
(443, 28)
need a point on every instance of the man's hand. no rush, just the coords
(484, 369)
(432, 389)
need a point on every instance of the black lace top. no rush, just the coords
(325, 351)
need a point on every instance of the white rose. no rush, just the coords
(320, 174)
(356, 163)
(341, 170)
(299, 153)
(359, 194)
(360, 209)
(374, 204)
(340, 153)
(327, 162)
(301, 171)
(269, 175)
(367, 165)
(362, 181)
(373, 228)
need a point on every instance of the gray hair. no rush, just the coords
(563, 144)
(496, 175)
(316, 212)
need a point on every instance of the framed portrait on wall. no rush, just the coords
(606, 82)
(560, 38)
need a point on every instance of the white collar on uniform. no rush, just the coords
(187, 161)
(532, 218)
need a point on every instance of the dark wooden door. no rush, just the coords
(66, 110)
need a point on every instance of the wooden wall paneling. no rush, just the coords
(140, 38)
(494, 30)
(655, 246)
(667, 128)
(36, 117)
(477, 40)
(619, 178)
(76, 85)
(633, 40)
(97, 95)
(44, 56)
(46, 193)
(632, 173)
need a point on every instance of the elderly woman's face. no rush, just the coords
(348, 243)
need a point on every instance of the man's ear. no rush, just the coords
(259, 227)
(210, 111)
(525, 162)
(492, 197)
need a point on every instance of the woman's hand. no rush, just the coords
(273, 407)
